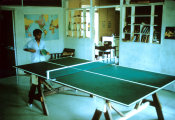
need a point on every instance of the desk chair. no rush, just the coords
(103, 53)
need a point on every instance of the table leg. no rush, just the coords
(155, 103)
(158, 107)
(108, 114)
(50, 90)
(41, 98)
(97, 115)
(91, 95)
(105, 109)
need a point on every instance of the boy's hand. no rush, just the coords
(30, 50)
(44, 52)
(48, 53)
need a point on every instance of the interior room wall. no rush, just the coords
(74, 3)
(83, 47)
(53, 46)
(167, 59)
(152, 57)
(106, 22)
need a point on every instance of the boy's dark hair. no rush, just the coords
(36, 32)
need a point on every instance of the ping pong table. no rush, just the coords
(112, 83)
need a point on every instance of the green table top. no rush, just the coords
(134, 75)
(39, 68)
(108, 88)
(119, 84)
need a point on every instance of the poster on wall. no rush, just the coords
(170, 33)
(48, 24)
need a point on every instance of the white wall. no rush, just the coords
(153, 57)
(140, 55)
(167, 60)
(84, 47)
(23, 57)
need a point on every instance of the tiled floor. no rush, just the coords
(62, 106)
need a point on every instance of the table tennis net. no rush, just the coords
(61, 72)
(52, 74)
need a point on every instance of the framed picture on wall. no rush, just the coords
(170, 33)
(47, 23)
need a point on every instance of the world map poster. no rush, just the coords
(48, 24)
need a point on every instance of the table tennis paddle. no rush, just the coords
(43, 52)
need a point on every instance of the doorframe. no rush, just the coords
(14, 32)
(14, 37)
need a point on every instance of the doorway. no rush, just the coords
(109, 27)
(7, 52)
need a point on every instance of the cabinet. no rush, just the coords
(143, 23)
(76, 25)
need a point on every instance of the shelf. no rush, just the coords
(144, 34)
(76, 24)
(127, 33)
(142, 15)
(142, 22)
(138, 33)
(76, 37)
(75, 30)
(78, 16)
(143, 25)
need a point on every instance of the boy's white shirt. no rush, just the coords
(35, 57)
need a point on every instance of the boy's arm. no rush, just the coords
(30, 50)
(28, 47)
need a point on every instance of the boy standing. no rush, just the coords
(34, 47)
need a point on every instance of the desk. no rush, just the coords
(111, 83)
(104, 49)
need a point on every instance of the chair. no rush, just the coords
(67, 52)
